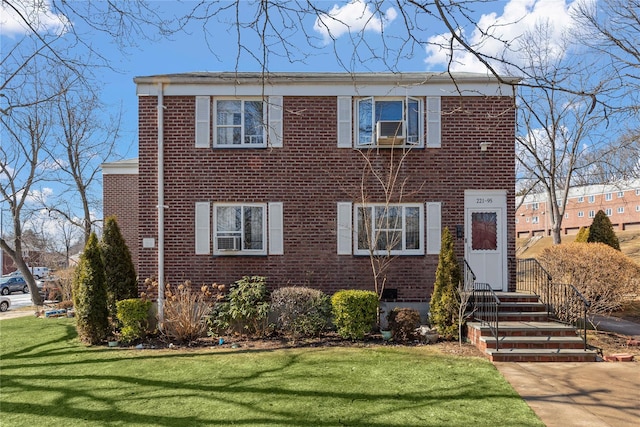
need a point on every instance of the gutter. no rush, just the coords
(161, 207)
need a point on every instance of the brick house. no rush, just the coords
(244, 174)
(620, 201)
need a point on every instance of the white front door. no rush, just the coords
(486, 236)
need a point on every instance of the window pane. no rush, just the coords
(228, 135)
(227, 218)
(412, 233)
(253, 227)
(364, 121)
(364, 228)
(413, 110)
(484, 231)
(253, 125)
(388, 110)
(229, 113)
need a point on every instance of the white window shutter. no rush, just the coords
(434, 227)
(344, 122)
(275, 121)
(433, 122)
(203, 121)
(276, 229)
(345, 228)
(203, 228)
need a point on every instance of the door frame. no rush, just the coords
(493, 200)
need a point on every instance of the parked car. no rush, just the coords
(39, 272)
(5, 303)
(13, 274)
(13, 284)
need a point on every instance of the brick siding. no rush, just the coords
(120, 195)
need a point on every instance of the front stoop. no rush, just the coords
(526, 334)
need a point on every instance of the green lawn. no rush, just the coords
(48, 378)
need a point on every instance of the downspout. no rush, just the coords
(161, 206)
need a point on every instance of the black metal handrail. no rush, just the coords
(564, 302)
(469, 276)
(486, 308)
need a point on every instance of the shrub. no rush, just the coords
(121, 281)
(301, 312)
(602, 274)
(583, 235)
(133, 315)
(403, 323)
(246, 310)
(90, 295)
(355, 312)
(444, 307)
(601, 231)
(186, 310)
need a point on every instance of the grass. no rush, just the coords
(47, 377)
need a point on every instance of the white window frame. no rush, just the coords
(637, 191)
(581, 199)
(608, 196)
(241, 251)
(637, 208)
(592, 214)
(592, 199)
(373, 142)
(620, 209)
(608, 211)
(620, 194)
(580, 214)
(566, 215)
(535, 220)
(242, 144)
(535, 206)
(403, 251)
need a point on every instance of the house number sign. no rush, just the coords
(484, 201)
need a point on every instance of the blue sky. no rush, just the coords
(189, 51)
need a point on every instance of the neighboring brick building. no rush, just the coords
(620, 201)
(261, 175)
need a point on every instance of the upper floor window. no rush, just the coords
(620, 209)
(580, 214)
(637, 208)
(620, 194)
(534, 206)
(239, 122)
(395, 229)
(390, 121)
(608, 211)
(566, 215)
(592, 214)
(580, 199)
(240, 229)
(637, 191)
(608, 196)
(535, 220)
(592, 199)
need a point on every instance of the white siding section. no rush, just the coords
(433, 122)
(203, 228)
(203, 121)
(344, 228)
(276, 229)
(275, 121)
(344, 122)
(434, 227)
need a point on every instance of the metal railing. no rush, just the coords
(486, 308)
(563, 302)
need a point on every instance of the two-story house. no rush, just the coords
(302, 177)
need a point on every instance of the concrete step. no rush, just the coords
(522, 316)
(506, 297)
(536, 342)
(521, 328)
(541, 355)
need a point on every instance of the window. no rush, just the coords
(620, 209)
(239, 123)
(592, 199)
(608, 211)
(535, 220)
(580, 214)
(608, 196)
(527, 220)
(592, 214)
(566, 215)
(395, 121)
(581, 199)
(395, 229)
(534, 206)
(620, 194)
(240, 229)
(637, 191)
(637, 208)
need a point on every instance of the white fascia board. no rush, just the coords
(122, 167)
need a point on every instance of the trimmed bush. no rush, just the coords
(605, 276)
(354, 312)
(121, 280)
(246, 310)
(403, 323)
(90, 295)
(300, 312)
(601, 231)
(583, 235)
(444, 307)
(133, 315)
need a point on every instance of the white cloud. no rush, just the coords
(37, 196)
(17, 15)
(518, 17)
(352, 17)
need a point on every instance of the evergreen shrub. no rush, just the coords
(245, 311)
(133, 315)
(300, 311)
(601, 231)
(444, 307)
(354, 312)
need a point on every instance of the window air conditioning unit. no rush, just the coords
(390, 132)
(229, 243)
